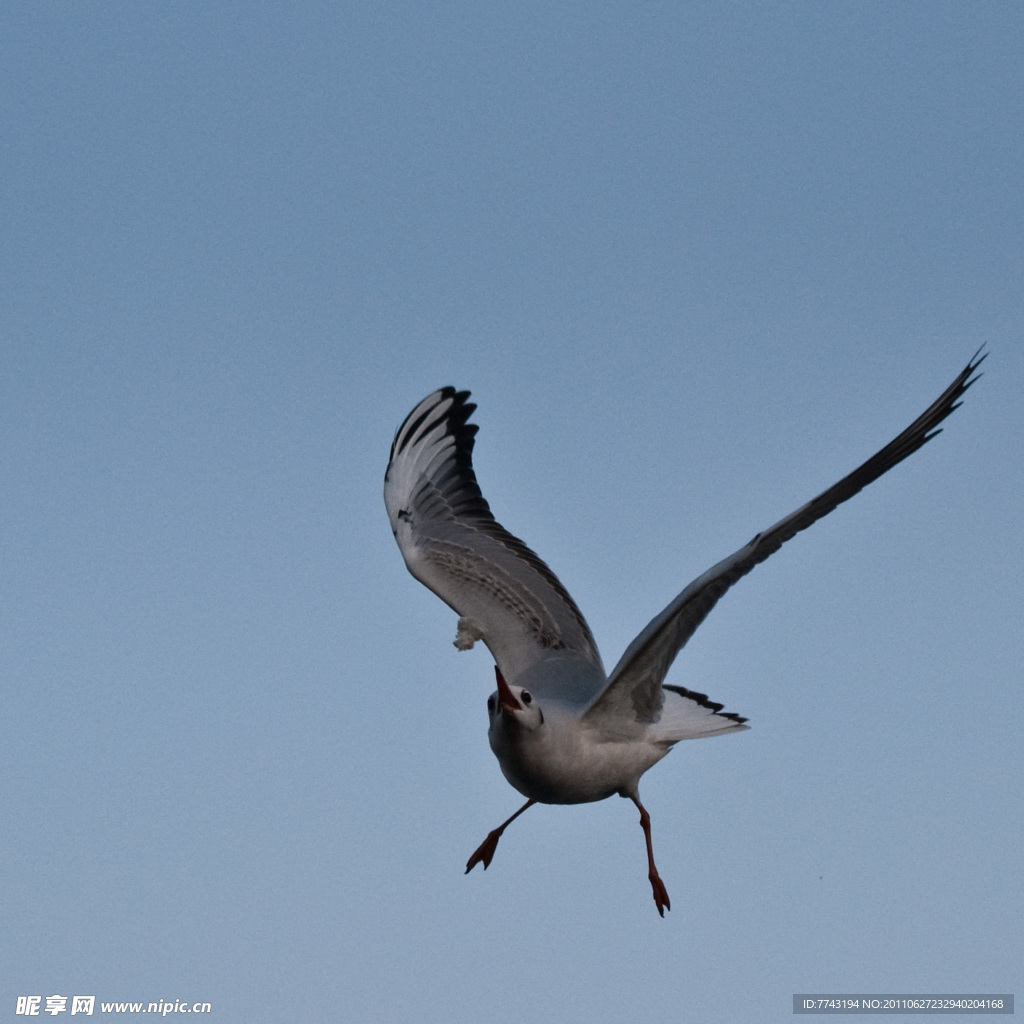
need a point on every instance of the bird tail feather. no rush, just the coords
(688, 715)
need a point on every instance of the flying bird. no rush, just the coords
(563, 730)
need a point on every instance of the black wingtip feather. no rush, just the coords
(426, 420)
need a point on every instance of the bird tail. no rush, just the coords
(687, 715)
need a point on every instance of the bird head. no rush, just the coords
(513, 707)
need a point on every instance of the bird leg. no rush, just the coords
(661, 900)
(485, 851)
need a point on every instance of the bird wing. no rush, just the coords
(634, 691)
(504, 594)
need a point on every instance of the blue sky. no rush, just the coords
(695, 262)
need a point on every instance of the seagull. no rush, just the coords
(564, 731)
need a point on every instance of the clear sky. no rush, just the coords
(695, 261)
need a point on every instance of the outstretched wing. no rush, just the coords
(634, 688)
(451, 542)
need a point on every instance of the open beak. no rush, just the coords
(506, 699)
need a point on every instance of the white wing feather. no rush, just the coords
(451, 542)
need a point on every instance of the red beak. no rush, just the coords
(506, 699)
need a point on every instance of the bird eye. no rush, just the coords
(490, 703)
(526, 697)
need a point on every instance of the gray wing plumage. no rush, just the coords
(634, 690)
(451, 542)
